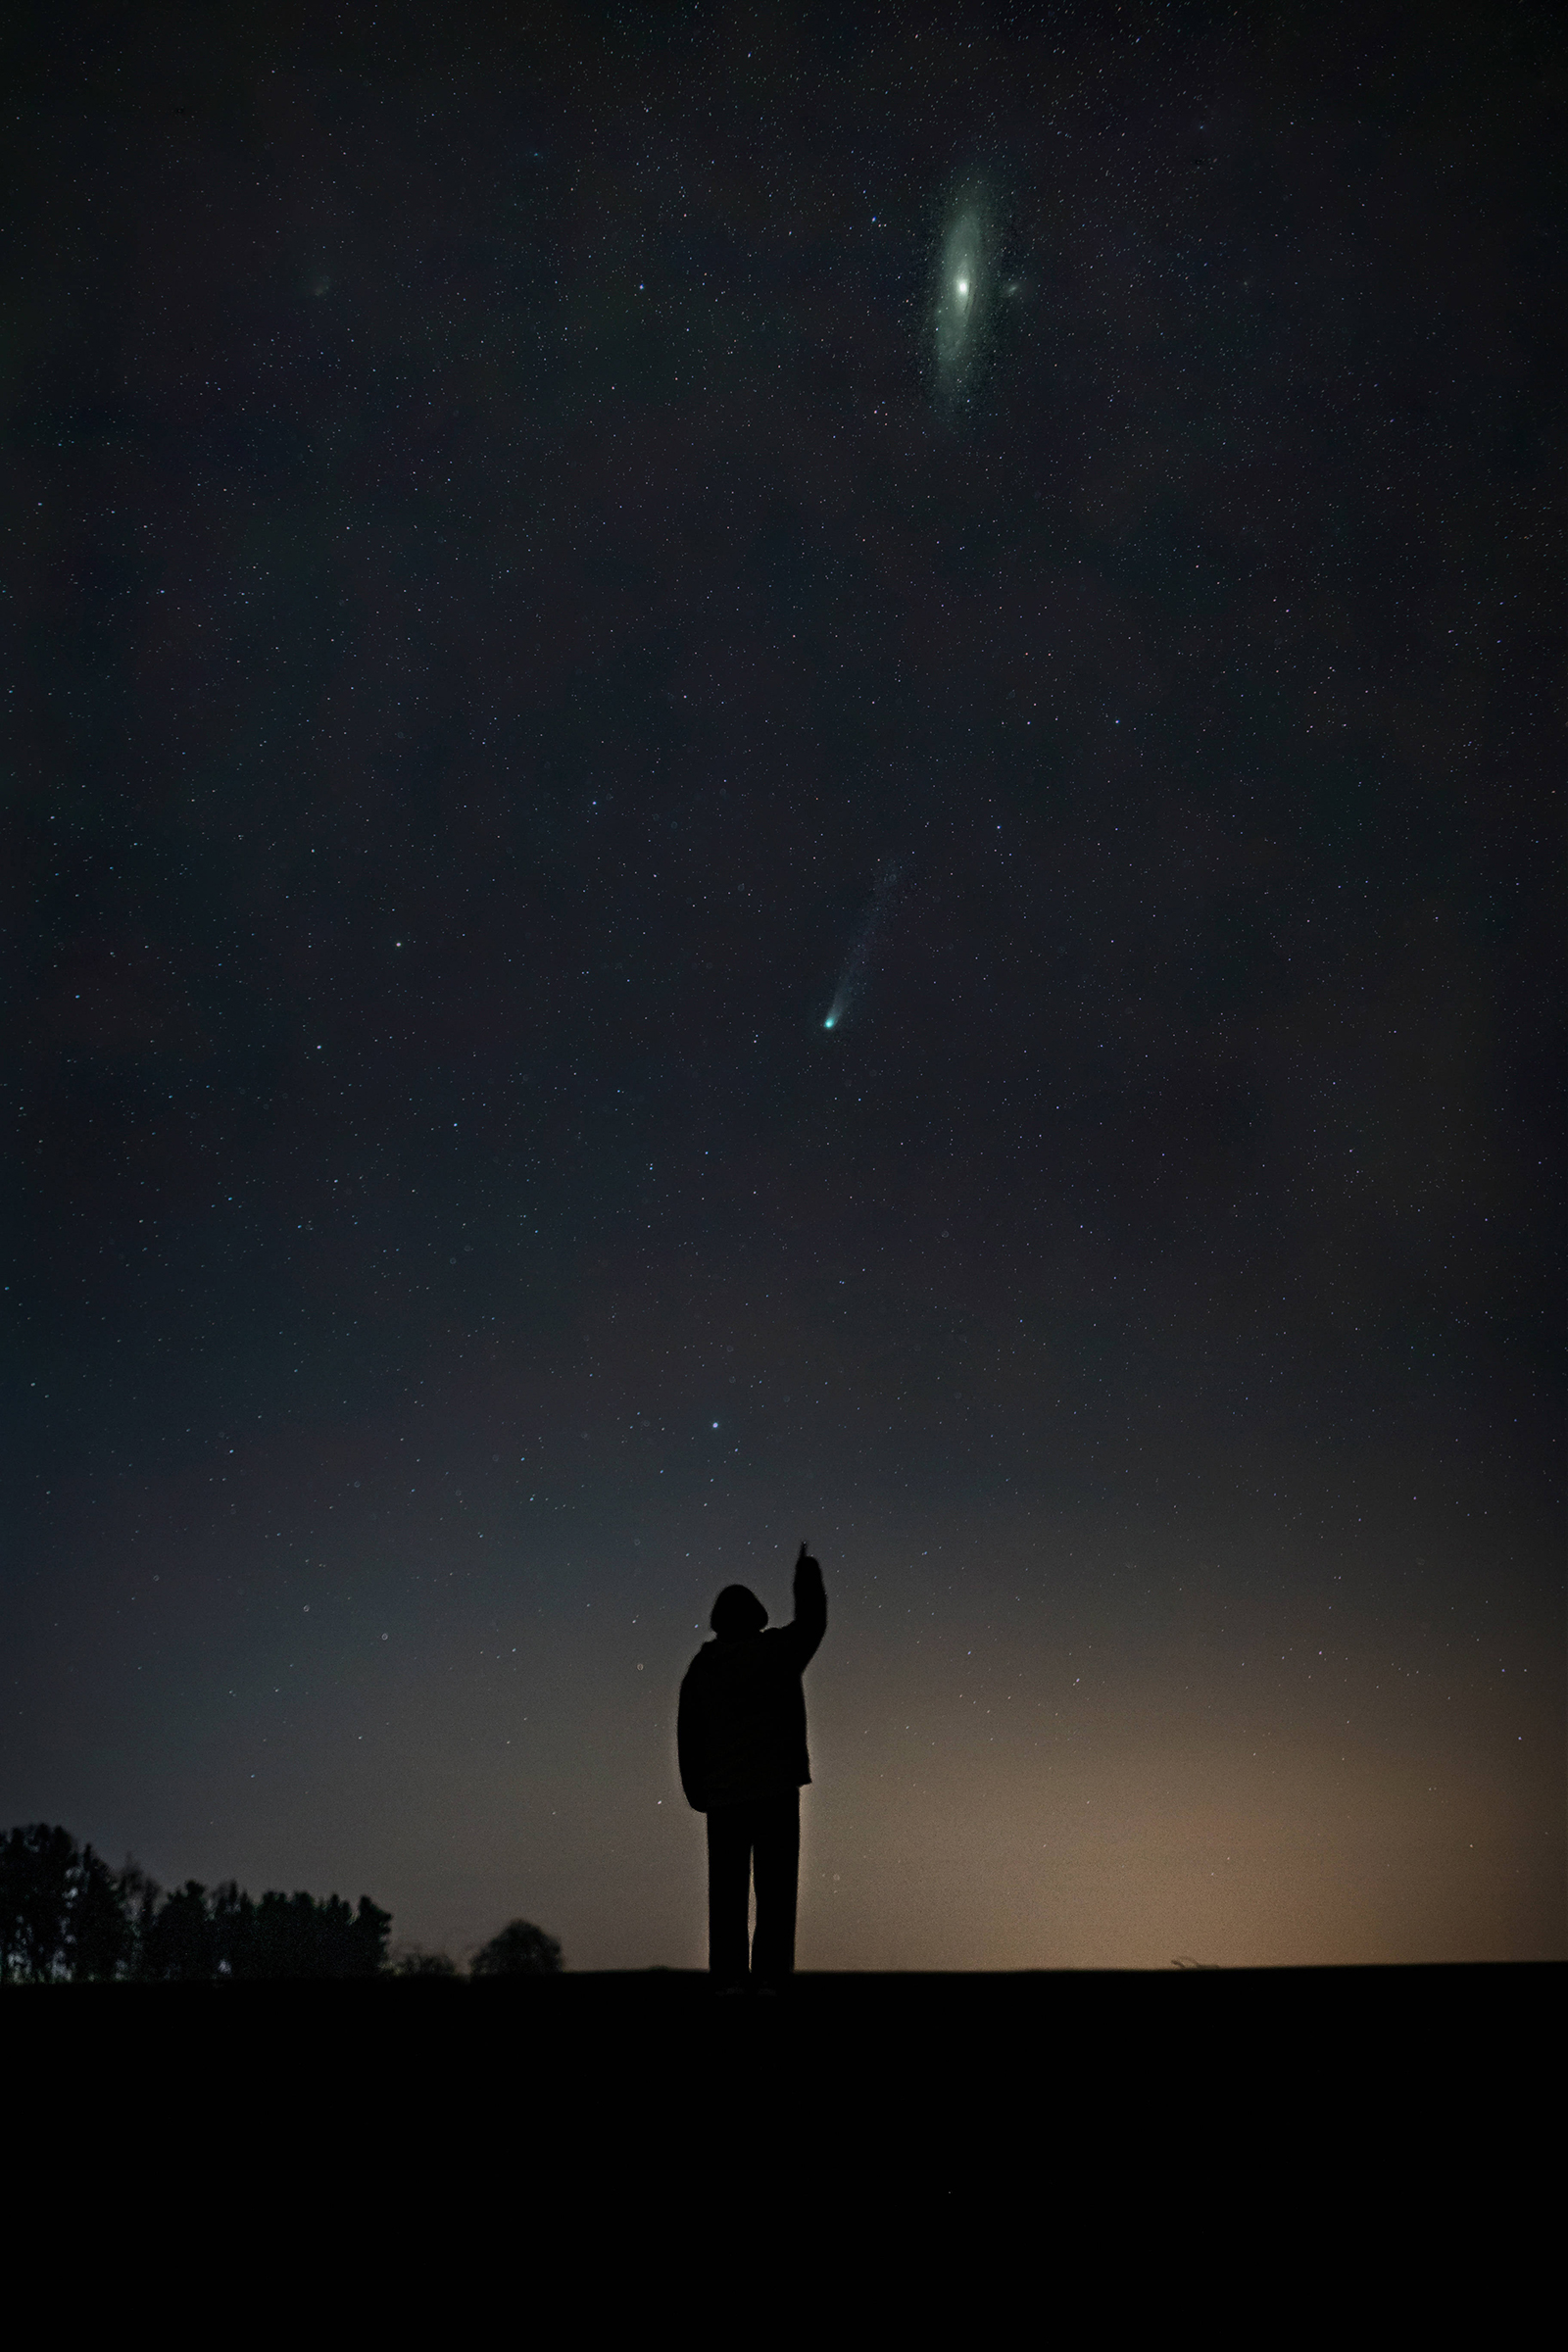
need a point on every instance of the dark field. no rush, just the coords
(1277, 2158)
(637, 2105)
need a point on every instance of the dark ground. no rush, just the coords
(1140, 2135)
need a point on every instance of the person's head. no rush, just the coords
(737, 1611)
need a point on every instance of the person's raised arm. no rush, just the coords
(811, 1606)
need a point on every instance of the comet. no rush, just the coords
(854, 972)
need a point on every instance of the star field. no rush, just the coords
(503, 574)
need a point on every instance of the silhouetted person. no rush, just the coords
(741, 1735)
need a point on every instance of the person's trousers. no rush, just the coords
(761, 1838)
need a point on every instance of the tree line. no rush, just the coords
(67, 1917)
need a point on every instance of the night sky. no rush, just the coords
(549, 556)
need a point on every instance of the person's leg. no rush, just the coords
(729, 1873)
(777, 1866)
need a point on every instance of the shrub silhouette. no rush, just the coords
(520, 1950)
(424, 1964)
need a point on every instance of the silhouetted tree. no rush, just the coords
(424, 1964)
(520, 1950)
(233, 1923)
(104, 1936)
(63, 1913)
(178, 1945)
(140, 1896)
(293, 1936)
(224, 1933)
(61, 1910)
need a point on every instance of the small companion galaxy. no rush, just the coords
(792, 779)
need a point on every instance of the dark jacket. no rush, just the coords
(741, 1730)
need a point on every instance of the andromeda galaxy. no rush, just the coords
(961, 296)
